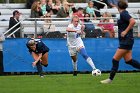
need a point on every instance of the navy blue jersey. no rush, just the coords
(123, 23)
(40, 47)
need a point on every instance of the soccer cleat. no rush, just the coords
(42, 76)
(106, 81)
(74, 73)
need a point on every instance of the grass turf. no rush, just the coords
(66, 83)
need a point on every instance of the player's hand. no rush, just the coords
(78, 31)
(123, 34)
(34, 64)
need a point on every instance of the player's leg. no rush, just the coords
(74, 63)
(38, 65)
(128, 60)
(115, 64)
(83, 52)
(73, 54)
(45, 59)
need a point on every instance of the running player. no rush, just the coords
(126, 41)
(75, 43)
(39, 52)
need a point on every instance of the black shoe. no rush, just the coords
(74, 73)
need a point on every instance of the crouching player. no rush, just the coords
(39, 51)
(75, 43)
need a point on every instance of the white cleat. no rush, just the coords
(106, 81)
(42, 76)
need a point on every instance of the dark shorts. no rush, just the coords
(126, 47)
(44, 52)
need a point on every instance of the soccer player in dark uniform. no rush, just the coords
(126, 41)
(39, 52)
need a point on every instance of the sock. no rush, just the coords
(134, 63)
(45, 65)
(39, 68)
(114, 69)
(83, 53)
(90, 62)
(74, 65)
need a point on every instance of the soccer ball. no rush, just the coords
(96, 72)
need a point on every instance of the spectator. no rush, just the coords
(48, 26)
(107, 25)
(57, 6)
(43, 6)
(13, 21)
(90, 9)
(90, 28)
(65, 3)
(113, 3)
(36, 10)
(74, 10)
(49, 6)
(80, 13)
(64, 11)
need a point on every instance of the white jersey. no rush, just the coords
(73, 38)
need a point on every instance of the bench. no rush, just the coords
(115, 10)
(13, 6)
(10, 11)
(134, 5)
(7, 17)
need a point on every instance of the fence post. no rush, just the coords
(35, 28)
(7, 1)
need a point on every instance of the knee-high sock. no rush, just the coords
(134, 63)
(74, 65)
(83, 52)
(90, 62)
(44, 65)
(115, 66)
(39, 67)
(87, 58)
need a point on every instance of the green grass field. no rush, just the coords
(66, 83)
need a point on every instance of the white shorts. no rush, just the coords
(74, 50)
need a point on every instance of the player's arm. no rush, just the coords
(82, 28)
(37, 59)
(68, 29)
(130, 26)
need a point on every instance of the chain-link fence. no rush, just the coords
(57, 28)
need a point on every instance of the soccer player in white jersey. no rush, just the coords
(75, 43)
